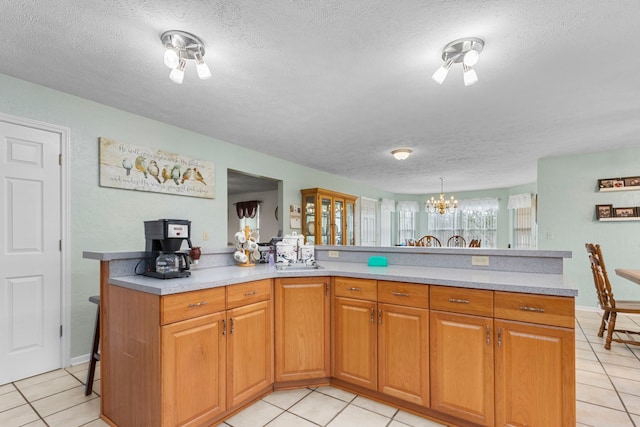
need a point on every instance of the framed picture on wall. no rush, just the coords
(604, 211)
(633, 181)
(624, 212)
(610, 183)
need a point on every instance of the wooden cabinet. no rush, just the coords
(534, 361)
(461, 349)
(502, 371)
(193, 370)
(249, 331)
(328, 216)
(302, 331)
(382, 346)
(185, 359)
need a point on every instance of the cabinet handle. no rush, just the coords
(400, 294)
(224, 327)
(488, 334)
(197, 304)
(373, 315)
(537, 310)
(231, 326)
(499, 337)
(354, 289)
(248, 294)
(380, 317)
(459, 301)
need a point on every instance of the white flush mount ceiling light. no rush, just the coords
(181, 46)
(401, 153)
(465, 51)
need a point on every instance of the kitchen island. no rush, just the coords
(465, 346)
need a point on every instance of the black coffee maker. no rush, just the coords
(164, 239)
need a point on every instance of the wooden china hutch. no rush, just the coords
(328, 216)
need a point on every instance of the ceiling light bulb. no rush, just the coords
(171, 58)
(201, 67)
(177, 74)
(470, 76)
(401, 153)
(471, 58)
(441, 73)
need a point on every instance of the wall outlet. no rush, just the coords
(334, 254)
(205, 235)
(480, 260)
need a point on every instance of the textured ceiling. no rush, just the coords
(336, 85)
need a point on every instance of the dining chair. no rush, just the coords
(475, 243)
(428, 240)
(608, 303)
(456, 241)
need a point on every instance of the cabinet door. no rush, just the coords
(193, 370)
(302, 334)
(355, 358)
(535, 374)
(403, 353)
(249, 352)
(462, 366)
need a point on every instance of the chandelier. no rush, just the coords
(441, 205)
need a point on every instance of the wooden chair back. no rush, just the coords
(600, 277)
(475, 243)
(431, 241)
(456, 241)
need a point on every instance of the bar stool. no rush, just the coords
(95, 354)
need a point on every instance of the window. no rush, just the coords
(524, 229)
(474, 219)
(406, 221)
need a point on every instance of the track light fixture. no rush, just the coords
(465, 51)
(181, 46)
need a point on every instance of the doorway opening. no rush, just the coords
(244, 188)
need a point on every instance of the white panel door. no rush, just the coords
(368, 231)
(30, 256)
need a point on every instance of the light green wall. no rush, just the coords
(107, 219)
(567, 195)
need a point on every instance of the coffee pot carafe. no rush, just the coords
(172, 263)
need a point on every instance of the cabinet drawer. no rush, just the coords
(478, 302)
(543, 309)
(355, 288)
(187, 305)
(399, 293)
(248, 293)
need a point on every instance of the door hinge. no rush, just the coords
(60, 159)
(60, 331)
(61, 245)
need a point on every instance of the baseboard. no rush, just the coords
(79, 360)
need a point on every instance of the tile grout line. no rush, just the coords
(591, 345)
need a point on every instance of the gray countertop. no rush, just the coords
(203, 278)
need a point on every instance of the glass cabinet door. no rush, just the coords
(326, 225)
(339, 222)
(309, 216)
(350, 225)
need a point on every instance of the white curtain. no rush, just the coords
(386, 207)
(408, 206)
(519, 201)
(481, 205)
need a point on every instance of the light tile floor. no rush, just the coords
(607, 389)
